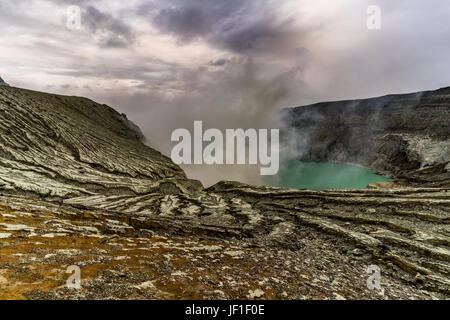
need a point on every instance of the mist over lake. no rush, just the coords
(295, 174)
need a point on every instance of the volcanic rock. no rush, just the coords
(2, 82)
(79, 187)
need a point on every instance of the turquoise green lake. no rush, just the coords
(322, 176)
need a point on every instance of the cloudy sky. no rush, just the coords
(230, 63)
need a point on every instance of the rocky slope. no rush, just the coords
(405, 136)
(78, 187)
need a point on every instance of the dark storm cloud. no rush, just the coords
(196, 18)
(186, 23)
(238, 26)
(114, 32)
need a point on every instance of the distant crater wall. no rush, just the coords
(406, 136)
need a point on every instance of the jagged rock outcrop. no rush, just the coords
(405, 136)
(78, 187)
(3, 83)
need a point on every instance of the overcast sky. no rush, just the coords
(230, 63)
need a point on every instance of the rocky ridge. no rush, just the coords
(80, 188)
(2, 82)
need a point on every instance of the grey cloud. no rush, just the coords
(186, 23)
(148, 70)
(114, 32)
(219, 62)
(246, 37)
(195, 18)
(238, 26)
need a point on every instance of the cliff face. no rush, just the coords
(78, 187)
(406, 136)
